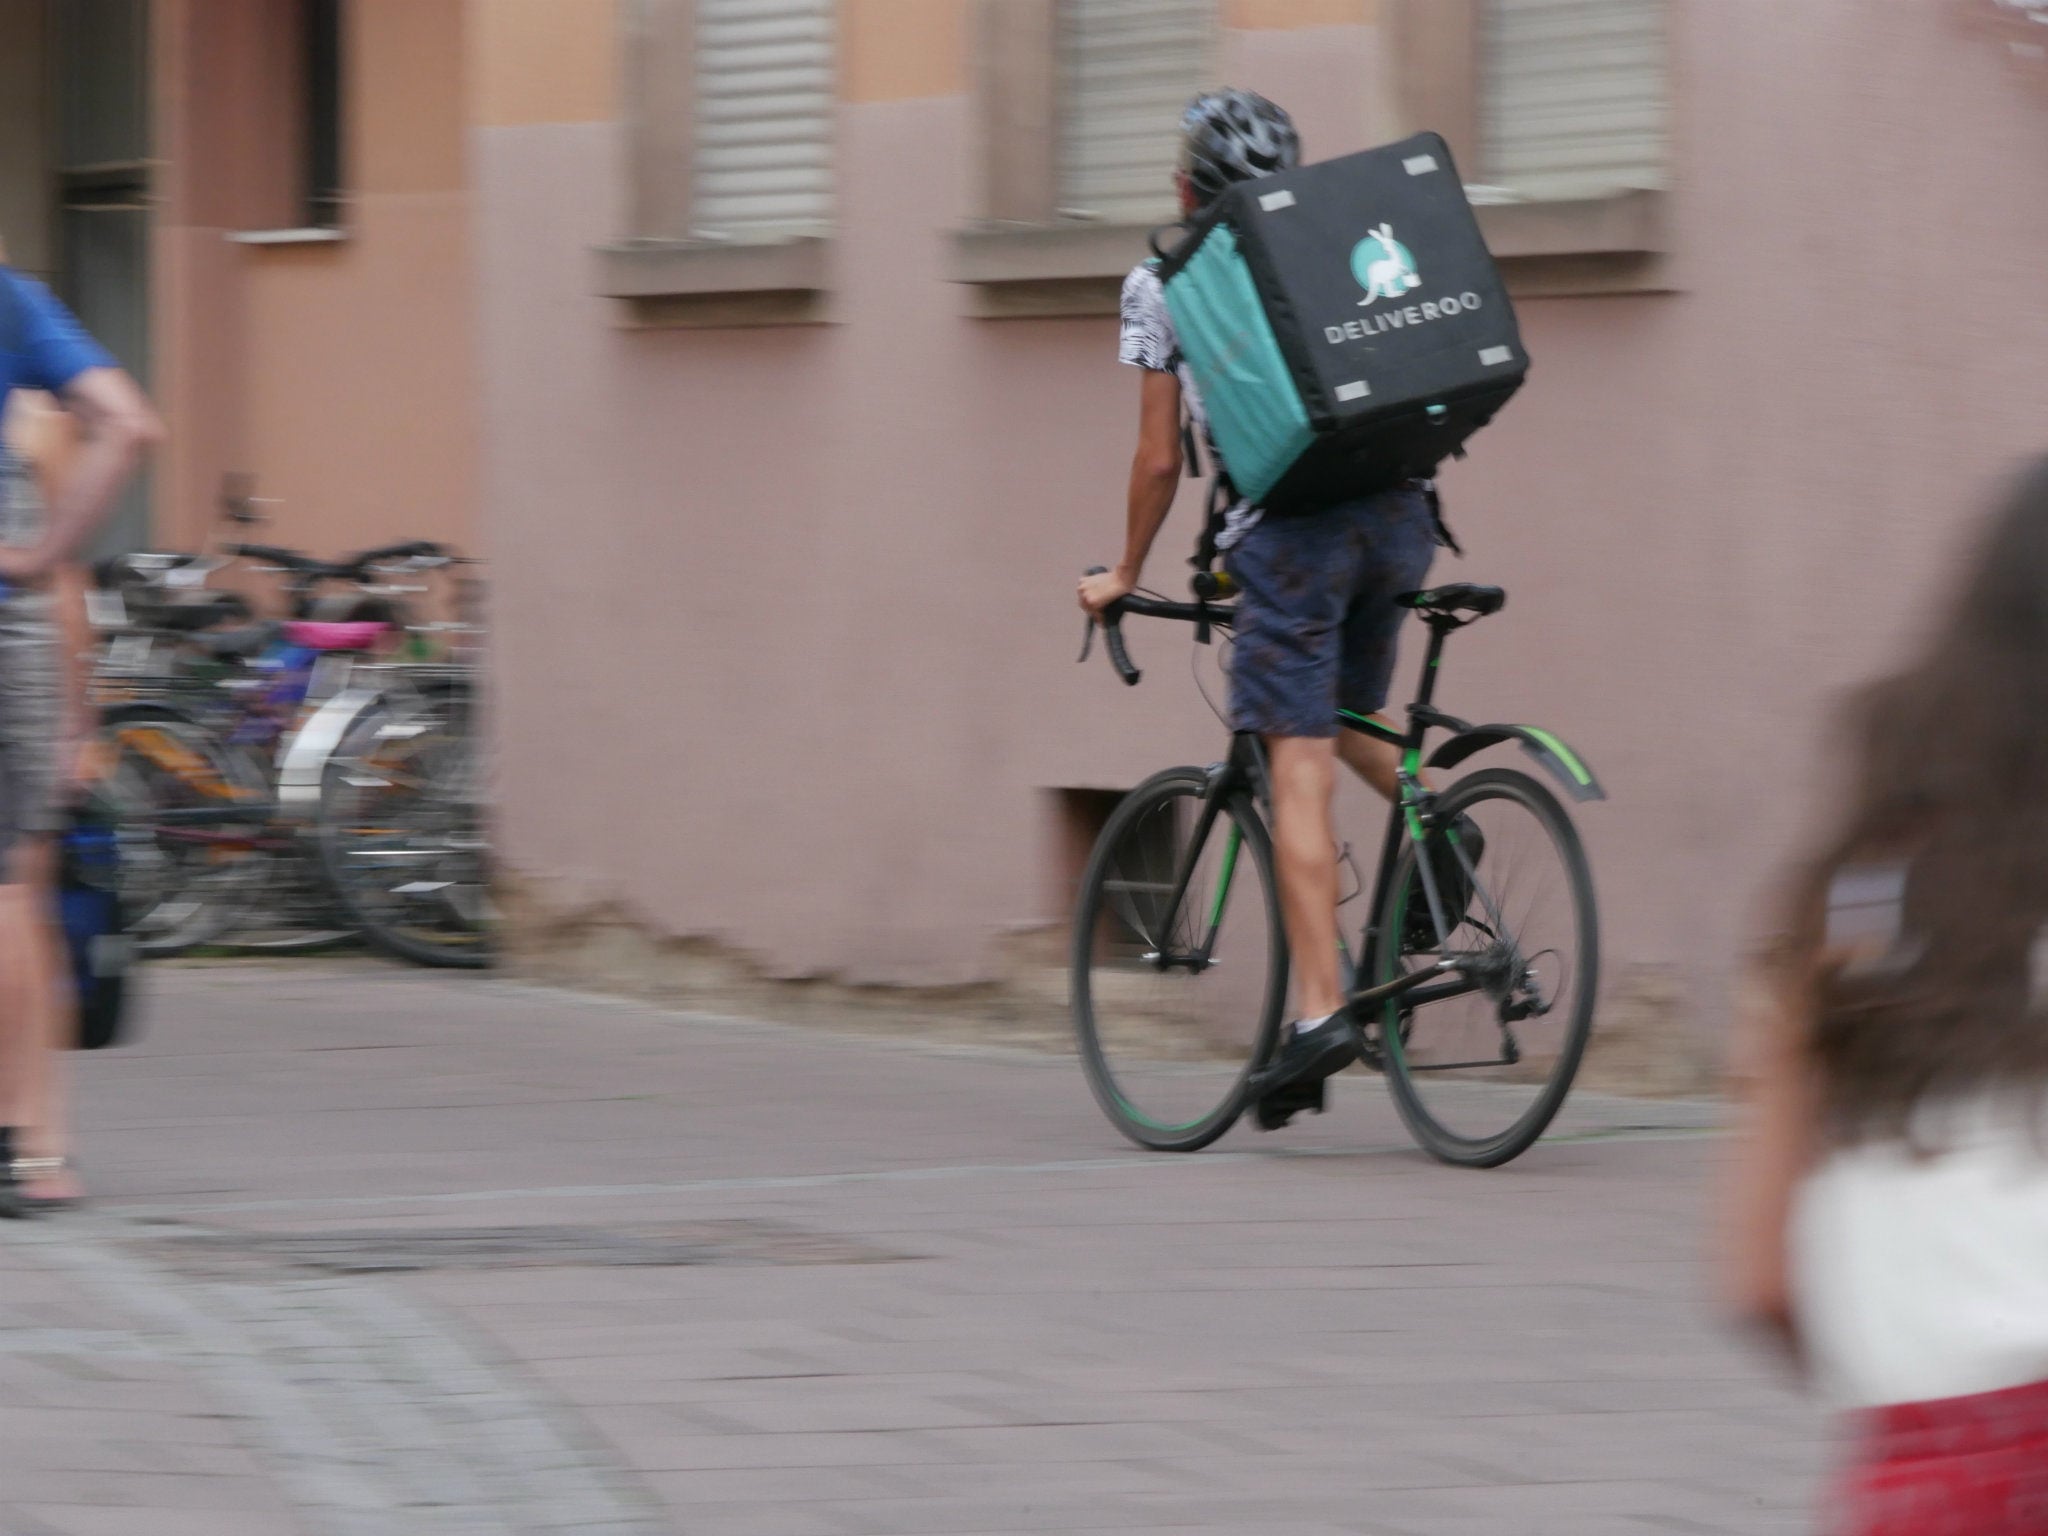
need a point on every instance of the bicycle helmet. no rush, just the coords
(1231, 136)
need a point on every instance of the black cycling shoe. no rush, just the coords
(1305, 1058)
(1453, 886)
(1282, 1104)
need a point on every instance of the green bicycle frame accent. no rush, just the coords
(1230, 847)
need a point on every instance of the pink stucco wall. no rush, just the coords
(342, 375)
(786, 632)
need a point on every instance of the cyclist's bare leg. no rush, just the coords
(1304, 777)
(1373, 760)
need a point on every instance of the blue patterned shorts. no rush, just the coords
(1317, 626)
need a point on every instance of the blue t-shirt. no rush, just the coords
(41, 345)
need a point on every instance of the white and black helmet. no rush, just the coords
(1231, 136)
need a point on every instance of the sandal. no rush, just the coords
(11, 1205)
(41, 1170)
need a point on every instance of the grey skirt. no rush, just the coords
(31, 719)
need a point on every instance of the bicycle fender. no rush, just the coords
(1565, 765)
(304, 764)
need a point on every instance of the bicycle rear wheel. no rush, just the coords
(402, 831)
(1175, 1004)
(1478, 1076)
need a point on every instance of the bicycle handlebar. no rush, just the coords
(1113, 639)
(290, 559)
(352, 568)
(408, 549)
(1112, 618)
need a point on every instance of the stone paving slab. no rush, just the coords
(1303, 1334)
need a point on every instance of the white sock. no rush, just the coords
(1303, 1026)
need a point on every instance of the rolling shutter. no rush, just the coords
(1126, 69)
(1574, 97)
(762, 158)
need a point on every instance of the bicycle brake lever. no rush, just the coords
(1088, 629)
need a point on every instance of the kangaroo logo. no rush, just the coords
(1383, 266)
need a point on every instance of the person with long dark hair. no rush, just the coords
(1890, 1203)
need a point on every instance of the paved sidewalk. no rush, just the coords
(379, 1252)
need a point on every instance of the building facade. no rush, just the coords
(263, 208)
(801, 415)
(767, 349)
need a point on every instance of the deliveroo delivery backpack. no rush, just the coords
(1343, 323)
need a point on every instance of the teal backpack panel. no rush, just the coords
(1254, 407)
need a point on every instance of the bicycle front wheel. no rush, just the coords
(1176, 1001)
(190, 866)
(1479, 1066)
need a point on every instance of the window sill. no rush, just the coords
(319, 234)
(716, 283)
(1069, 268)
(1588, 246)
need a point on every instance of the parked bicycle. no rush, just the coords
(288, 784)
(1473, 979)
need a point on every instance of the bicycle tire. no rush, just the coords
(1407, 1061)
(471, 950)
(159, 929)
(1206, 1058)
(299, 912)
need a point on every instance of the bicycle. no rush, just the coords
(1476, 1012)
(240, 751)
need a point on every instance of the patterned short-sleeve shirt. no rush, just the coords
(1148, 341)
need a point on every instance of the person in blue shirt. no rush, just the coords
(47, 517)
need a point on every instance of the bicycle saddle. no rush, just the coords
(1460, 597)
(315, 636)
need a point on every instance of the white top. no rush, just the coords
(1918, 1277)
(1147, 339)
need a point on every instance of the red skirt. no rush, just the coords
(1957, 1466)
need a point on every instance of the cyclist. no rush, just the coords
(1316, 624)
(43, 348)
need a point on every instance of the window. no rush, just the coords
(1572, 99)
(320, 24)
(291, 119)
(1079, 104)
(761, 160)
(1559, 113)
(1126, 68)
(732, 106)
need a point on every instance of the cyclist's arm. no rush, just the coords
(1155, 477)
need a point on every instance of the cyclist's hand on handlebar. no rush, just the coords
(1102, 588)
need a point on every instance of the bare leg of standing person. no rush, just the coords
(34, 1008)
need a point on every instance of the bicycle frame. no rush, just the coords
(1410, 812)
